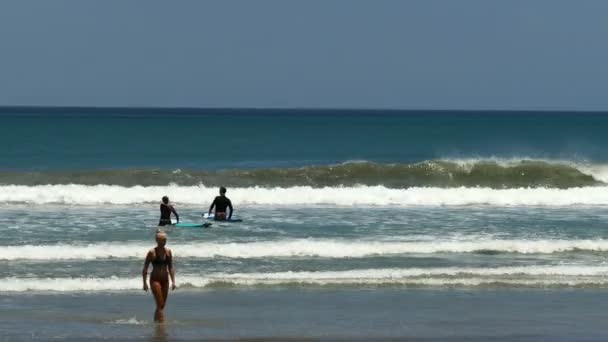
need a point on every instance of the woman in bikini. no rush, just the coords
(162, 269)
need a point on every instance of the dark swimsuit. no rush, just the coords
(221, 203)
(161, 262)
(165, 215)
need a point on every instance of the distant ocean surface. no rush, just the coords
(393, 202)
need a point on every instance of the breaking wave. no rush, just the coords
(325, 248)
(490, 173)
(73, 194)
(523, 276)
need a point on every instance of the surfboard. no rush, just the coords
(192, 225)
(212, 217)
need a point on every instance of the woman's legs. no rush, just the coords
(160, 291)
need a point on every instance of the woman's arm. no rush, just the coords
(144, 272)
(171, 269)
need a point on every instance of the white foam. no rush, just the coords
(326, 248)
(597, 171)
(566, 275)
(131, 321)
(508, 161)
(305, 195)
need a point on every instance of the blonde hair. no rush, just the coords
(160, 234)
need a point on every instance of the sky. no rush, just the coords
(403, 54)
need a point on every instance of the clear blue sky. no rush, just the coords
(467, 54)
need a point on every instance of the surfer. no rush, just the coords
(220, 203)
(162, 268)
(165, 212)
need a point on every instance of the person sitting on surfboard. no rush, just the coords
(165, 212)
(220, 203)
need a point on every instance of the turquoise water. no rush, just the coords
(348, 206)
(79, 140)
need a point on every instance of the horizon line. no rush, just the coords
(32, 108)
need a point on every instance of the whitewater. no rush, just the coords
(75, 194)
(324, 248)
(531, 276)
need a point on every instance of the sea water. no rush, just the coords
(368, 224)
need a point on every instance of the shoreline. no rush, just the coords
(318, 314)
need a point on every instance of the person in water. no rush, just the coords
(221, 203)
(165, 212)
(162, 268)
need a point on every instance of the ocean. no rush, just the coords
(357, 224)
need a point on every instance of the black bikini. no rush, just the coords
(160, 262)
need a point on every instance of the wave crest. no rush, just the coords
(496, 174)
